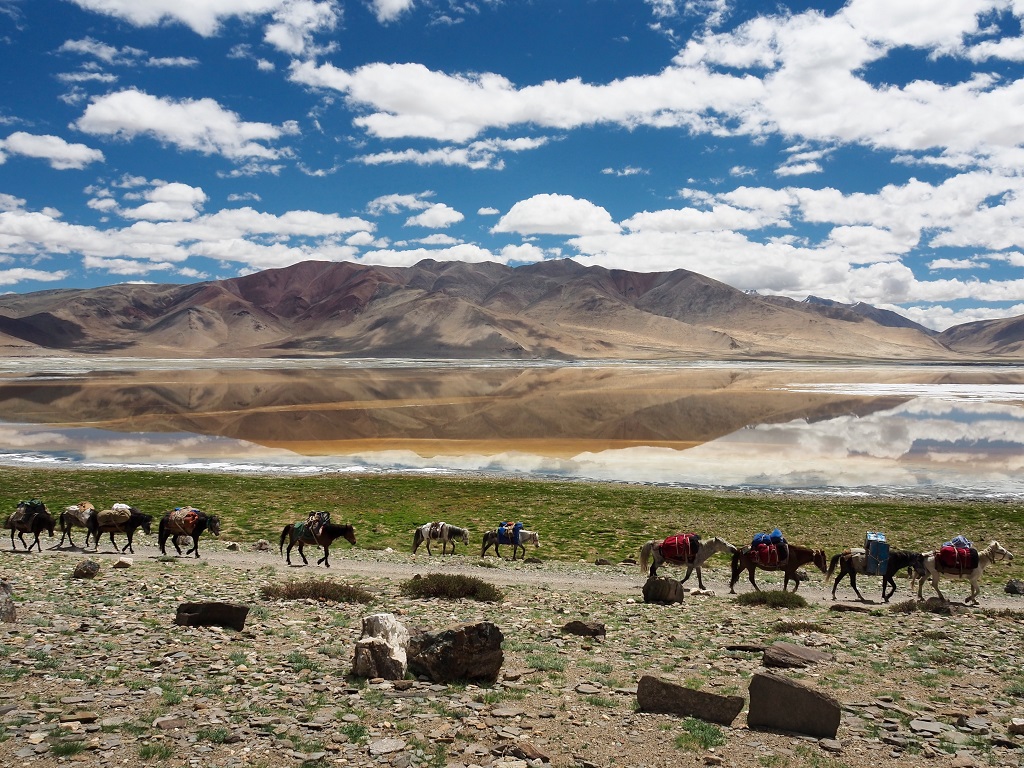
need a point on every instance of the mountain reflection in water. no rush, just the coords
(894, 429)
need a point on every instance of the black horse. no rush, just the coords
(898, 560)
(191, 524)
(299, 533)
(108, 521)
(30, 517)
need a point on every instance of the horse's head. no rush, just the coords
(999, 552)
(349, 533)
(464, 537)
(821, 560)
(213, 525)
(146, 521)
(720, 544)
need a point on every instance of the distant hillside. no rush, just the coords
(553, 309)
(989, 337)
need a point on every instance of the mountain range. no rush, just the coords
(553, 309)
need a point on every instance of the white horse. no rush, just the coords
(493, 539)
(442, 532)
(934, 570)
(651, 553)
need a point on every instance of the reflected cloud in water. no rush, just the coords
(925, 430)
(926, 446)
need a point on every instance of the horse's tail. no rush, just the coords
(832, 566)
(645, 554)
(284, 534)
(483, 543)
(417, 539)
(736, 562)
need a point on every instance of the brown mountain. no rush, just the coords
(987, 337)
(554, 309)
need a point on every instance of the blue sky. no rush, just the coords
(868, 151)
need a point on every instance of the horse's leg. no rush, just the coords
(324, 560)
(750, 577)
(288, 554)
(700, 579)
(195, 545)
(853, 583)
(935, 586)
(302, 553)
(975, 590)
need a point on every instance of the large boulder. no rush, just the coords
(663, 589)
(663, 696)
(227, 615)
(461, 652)
(781, 704)
(382, 651)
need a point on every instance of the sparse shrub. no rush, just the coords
(316, 589)
(772, 598)
(67, 748)
(156, 751)
(699, 735)
(452, 586)
(798, 626)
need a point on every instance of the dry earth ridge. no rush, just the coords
(95, 672)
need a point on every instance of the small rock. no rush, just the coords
(87, 569)
(261, 545)
(386, 746)
(831, 745)
(123, 562)
(170, 722)
(232, 546)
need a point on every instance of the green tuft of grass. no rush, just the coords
(698, 734)
(316, 589)
(452, 586)
(156, 751)
(772, 598)
(67, 748)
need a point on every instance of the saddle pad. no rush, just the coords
(679, 547)
(765, 554)
(958, 558)
(505, 538)
(112, 517)
(182, 521)
(80, 512)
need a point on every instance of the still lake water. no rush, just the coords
(932, 430)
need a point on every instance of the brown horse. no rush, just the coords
(798, 557)
(300, 534)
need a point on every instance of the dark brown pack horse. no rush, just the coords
(798, 557)
(171, 528)
(853, 562)
(30, 517)
(136, 519)
(298, 533)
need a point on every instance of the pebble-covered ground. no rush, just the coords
(95, 672)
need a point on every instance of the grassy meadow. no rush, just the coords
(576, 520)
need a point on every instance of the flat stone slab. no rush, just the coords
(778, 703)
(663, 696)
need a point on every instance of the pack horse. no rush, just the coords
(682, 550)
(439, 531)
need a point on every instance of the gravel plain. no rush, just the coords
(95, 672)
